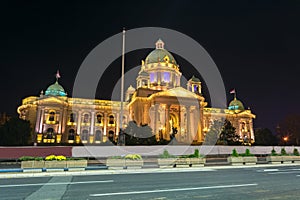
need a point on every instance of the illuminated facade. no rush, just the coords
(158, 101)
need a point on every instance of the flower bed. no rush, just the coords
(128, 161)
(167, 160)
(283, 157)
(242, 159)
(51, 161)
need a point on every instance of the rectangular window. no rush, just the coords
(153, 77)
(166, 77)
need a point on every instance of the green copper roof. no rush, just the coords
(194, 79)
(143, 73)
(55, 90)
(159, 55)
(236, 105)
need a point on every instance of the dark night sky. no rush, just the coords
(255, 45)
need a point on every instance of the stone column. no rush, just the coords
(251, 130)
(200, 125)
(78, 122)
(193, 128)
(167, 122)
(152, 118)
(42, 120)
(105, 123)
(117, 123)
(182, 129)
(92, 123)
(64, 120)
(188, 123)
(60, 121)
(38, 120)
(156, 129)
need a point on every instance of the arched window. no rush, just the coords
(72, 117)
(124, 121)
(86, 118)
(111, 119)
(51, 115)
(50, 134)
(98, 135)
(71, 135)
(84, 135)
(99, 119)
(111, 135)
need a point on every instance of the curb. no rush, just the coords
(17, 173)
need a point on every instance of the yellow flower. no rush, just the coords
(133, 157)
(60, 158)
(51, 157)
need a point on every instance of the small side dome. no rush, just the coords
(160, 54)
(195, 79)
(130, 89)
(55, 90)
(236, 105)
(143, 73)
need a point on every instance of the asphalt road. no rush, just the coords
(245, 183)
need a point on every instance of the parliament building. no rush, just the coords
(158, 101)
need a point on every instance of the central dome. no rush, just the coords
(55, 90)
(236, 105)
(160, 54)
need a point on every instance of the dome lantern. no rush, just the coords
(160, 44)
(56, 89)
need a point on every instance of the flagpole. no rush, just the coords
(121, 140)
(234, 93)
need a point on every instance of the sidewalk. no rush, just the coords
(16, 173)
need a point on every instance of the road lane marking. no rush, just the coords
(271, 170)
(58, 183)
(284, 172)
(173, 190)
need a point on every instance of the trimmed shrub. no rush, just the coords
(196, 153)
(273, 152)
(234, 153)
(26, 158)
(295, 152)
(247, 153)
(283, 152)
(38, 158)
(166, 154)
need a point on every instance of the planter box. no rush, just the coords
(283, 159)
(166, 162)
(55, 164)
(190, 162)
(134, 163)
(246, 160)
(181, 162)
(197, 162)
(32, 164)
(76, 163)
(113, 163)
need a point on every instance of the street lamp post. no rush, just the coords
(121, 140)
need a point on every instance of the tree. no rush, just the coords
(15, 132)
(289, 129)
(264, 136)
(212, 136)
(228, 135)
(139, 135)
